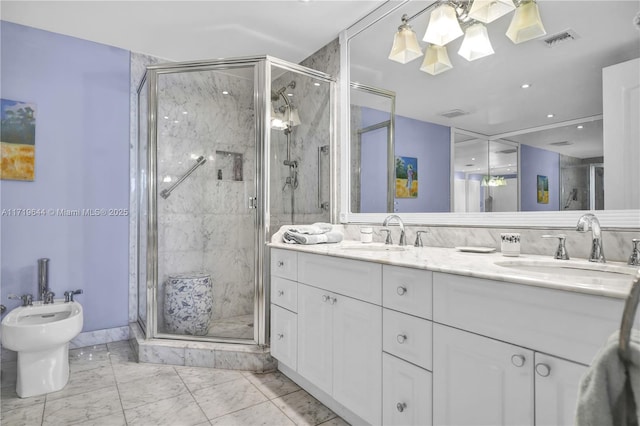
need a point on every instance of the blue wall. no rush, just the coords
(81, 91)
(534, 162)
(430, 144)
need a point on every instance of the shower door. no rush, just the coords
(205, 189)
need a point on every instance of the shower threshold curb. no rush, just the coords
(226, 356)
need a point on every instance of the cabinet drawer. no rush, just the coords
(284, 331)
(407, 290)
(407, 337)
(284, 293)
(354, 278)
(406, 393)
(284, 264)
(570, 325)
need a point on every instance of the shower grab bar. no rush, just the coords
(321, 150)
(166, 192)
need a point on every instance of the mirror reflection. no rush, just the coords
(530, 115)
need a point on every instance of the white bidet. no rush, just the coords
(41, 334)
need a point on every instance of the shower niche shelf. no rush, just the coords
(229, 165)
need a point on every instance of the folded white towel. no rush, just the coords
(297, 238)
(313, 229)
(604, 394)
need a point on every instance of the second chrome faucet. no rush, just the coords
(590, 221)
(403, 236)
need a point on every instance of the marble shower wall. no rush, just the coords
(314, 107)
(205, 225)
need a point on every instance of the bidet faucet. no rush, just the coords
(590, 221)
(43, 278)
(403, 238)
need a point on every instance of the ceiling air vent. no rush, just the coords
(453, 113)
(563, 143)
(562, 37)
(507, 151)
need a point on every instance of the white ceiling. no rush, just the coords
(192, 30)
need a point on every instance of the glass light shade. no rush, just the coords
(489, 10)
(294, 118)
(405, 45)
(443, 26)
(526, 23)
(476, 43)
(277, 119)
(436, 60)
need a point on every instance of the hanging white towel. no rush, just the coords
(604, 394)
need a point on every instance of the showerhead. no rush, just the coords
(276, 95)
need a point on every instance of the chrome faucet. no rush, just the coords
(43, 281)
(403, 237)
(590, 221)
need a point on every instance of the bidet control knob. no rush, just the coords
(68, 295)
(27, 299)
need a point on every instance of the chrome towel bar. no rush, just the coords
(166, 192)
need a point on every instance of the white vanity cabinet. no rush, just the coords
(407, 345)
(284, 307)
(339, 324)
(553, 335)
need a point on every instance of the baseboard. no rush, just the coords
(100, 337)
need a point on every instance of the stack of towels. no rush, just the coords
(312, 234)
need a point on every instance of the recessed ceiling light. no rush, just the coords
(550, 115)
(176, 121)
(289, 94)
(581, 127)
(473, 159)
(526, 85)
(224, 92)
(316, 84)
(166, 117)
(184, 112)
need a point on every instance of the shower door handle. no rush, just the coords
(321, 150)
(253, 202)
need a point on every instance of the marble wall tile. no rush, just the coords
(98, 337)
(156, 354)
(194, 357)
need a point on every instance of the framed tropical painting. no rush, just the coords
(406, 177)
(17, 140)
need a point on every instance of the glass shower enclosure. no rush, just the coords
(228, 150)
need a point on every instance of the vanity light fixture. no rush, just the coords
(405, 44)
(443, 26)
(489, 10)
(436, 60)
(476, 43)
(447, 20)
(526, 23)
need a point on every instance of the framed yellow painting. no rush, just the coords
(17, 140)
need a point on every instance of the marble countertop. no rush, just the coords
(538, 270)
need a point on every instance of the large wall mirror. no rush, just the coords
(512, 135)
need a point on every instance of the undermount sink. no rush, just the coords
(570, 268)
(374, 247)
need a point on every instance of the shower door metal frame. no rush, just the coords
(262, 98)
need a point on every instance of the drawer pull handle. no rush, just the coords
(280, 292)
(518, 360)
(401, 338)
(280, 263)
(400, 406)
(280, 336)
(543, 370)
(333, 300)
(402, 290)
(325, 298)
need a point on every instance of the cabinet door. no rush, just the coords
(357, 357)
(315, 336)
(284, 334)
(557, 383)
(406, 398)
(480, 381)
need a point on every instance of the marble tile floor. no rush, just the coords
(108, 387)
